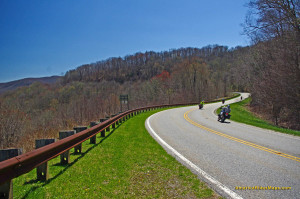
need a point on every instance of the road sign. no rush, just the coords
(124, 100)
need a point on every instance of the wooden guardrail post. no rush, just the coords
(93, 139)
(6, 189)
(65, 157)
(108, 129)
(78, 129)
(101, 120)
(103, 131)
(42, 170)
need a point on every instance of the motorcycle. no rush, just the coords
(223, 115)
(200, 106)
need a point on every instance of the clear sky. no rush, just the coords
(49, 37)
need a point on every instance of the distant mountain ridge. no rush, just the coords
(8, 86)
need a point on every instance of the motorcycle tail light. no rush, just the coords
(226, 113)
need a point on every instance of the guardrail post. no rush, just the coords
(6, 189)
(102, 120)
(42, 170)
(78, 148)
(103, 133)
(65, 157)
(93, 139)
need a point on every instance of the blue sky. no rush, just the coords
(43, 38)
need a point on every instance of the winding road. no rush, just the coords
(236, 160)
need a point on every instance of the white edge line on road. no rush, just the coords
(193, 166)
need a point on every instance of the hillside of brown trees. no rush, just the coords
(274, 26)
(269, 69)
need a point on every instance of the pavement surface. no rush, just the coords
(236, 160)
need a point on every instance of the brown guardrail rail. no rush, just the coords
(24, 163)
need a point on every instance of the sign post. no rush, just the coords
(124, 100)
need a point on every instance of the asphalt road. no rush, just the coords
(230, 155)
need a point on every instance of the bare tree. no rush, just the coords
(273, 26)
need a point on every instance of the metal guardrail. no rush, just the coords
(24, 163)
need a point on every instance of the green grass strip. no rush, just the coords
(127, 163)
(240, 113)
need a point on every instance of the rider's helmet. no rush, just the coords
(228, 106)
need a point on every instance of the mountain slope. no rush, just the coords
(8, 86)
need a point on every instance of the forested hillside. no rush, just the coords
(274, 28)
(269, 69)
(8, 86)
(92, 91)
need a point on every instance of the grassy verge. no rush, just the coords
(127, 163)
(241, 114)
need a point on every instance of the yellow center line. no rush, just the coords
(239, 140)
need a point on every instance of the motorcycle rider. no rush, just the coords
(228, 110)
(201, 105)
(225, 109)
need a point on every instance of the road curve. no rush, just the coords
(230, 156)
